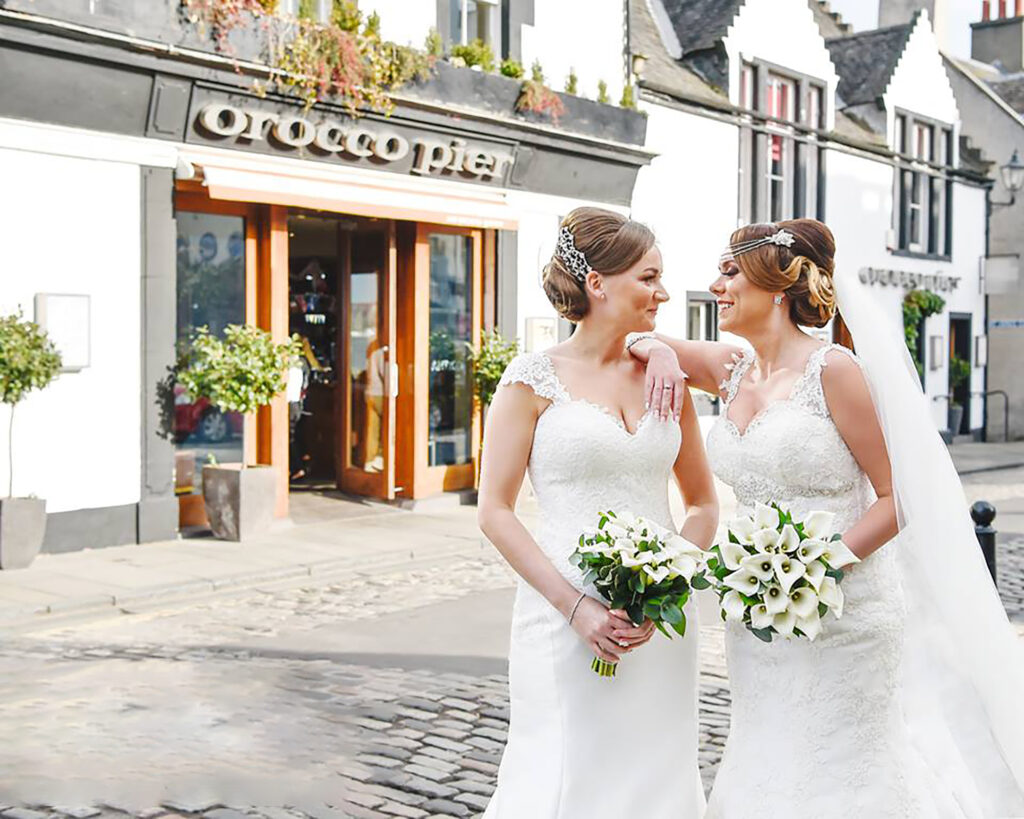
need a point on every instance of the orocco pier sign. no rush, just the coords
(908, 279)
(392, 146)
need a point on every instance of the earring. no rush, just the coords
(777, 299)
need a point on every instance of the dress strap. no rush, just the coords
(536, 371)
(737, 369)
(810, 391)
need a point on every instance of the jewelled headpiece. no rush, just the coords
(781, 237)
(571, 257)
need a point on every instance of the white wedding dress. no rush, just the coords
(581, 746)
(818, 729)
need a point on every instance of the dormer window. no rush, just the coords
(924, 159)
(780, 157)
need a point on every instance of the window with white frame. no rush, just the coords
(924, 160)
(475, 20)
(701, 317)
(780, 154)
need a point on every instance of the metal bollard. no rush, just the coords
(983, 513)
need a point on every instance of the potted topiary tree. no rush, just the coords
(959, 372)
(28, 361)
(240, 372)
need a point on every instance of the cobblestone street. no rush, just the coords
(268, 703)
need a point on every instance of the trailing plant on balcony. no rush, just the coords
(475, 53)
(536, 98)
(344, 58)
(512, 68)
(917, 306)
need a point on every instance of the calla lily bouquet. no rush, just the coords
(642, 568)
(779, 575)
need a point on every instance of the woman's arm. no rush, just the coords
(693, 475)
(508, 438)
(703, 365)
(853, 411)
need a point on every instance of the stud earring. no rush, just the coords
(778, 299)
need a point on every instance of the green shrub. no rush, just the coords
(434, 45)
(28, 361)
(537, 72)
(959, 373)
(513, 69)
(489, 362)
(572, 82)
(917, 306)
(475, 53)
(602, 92)
(628, 98)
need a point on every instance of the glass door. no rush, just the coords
(369, 382)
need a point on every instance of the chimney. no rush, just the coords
(999, 39)
(898, 12)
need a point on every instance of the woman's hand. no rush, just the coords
(609, 634)
(665, 384)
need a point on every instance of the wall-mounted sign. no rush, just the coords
(391, 145)
(908, 279)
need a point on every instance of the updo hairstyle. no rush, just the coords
(611, 244)
(802, 271)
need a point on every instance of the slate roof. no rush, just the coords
(1011, 90)
(830, 23)
(700, 24)
(865, 61)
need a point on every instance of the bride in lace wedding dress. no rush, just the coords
(581, 745)
(907, 707)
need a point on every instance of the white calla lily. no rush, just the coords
(733, 606)
(788, 570)
(625, 545)
(766, 540)
(837, 554)
(765, 517)
(815, 573)
(784, 623)
(832, 596)
(744, 581)
(789, 540)
(810, 626)
(732, 554)
(633, 560)
(656, 573)
(681, 545)
(775, 599)
(760, 617)
(759, 564)
(743, 528)
(803, 601)
(613, 530)
(819, 524)
(682, 566)
(811, 549)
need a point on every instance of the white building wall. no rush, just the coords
(688, 196)
(74, 227)
(406, 22)
(585, 35)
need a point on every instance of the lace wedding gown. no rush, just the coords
(580, 745)
(818, 728)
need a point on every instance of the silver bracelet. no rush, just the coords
(633, 338)
(576, 606)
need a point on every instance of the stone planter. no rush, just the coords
(239, 499)
(956, 418)
(22, 526)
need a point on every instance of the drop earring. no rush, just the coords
(777, 299)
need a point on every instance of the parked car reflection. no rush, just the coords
(202, 421)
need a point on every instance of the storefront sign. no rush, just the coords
(388, 145)
(909, 279)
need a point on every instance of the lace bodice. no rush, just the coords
(791, 450)
(584, 460)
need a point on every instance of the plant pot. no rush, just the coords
(956, 418)
(239, 499)
(22, 526)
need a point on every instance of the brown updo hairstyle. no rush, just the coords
(803, 271)
(611, 243)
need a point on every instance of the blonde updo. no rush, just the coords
(611, 244)
(803, 271)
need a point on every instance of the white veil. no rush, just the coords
(963, 662)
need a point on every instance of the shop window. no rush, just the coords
(780, 155)
(476, 20)
(924, 160)
(210, 293)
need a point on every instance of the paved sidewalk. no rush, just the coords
(971, 458)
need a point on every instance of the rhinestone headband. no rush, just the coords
(570, 256)
(781, 237)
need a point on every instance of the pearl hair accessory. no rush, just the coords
(781, 238)
(572, 257)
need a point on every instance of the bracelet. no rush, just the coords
(633, 338)
(576, 605)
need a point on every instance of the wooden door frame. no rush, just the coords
(429, 480)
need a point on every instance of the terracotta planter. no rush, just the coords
(239, 499)
(22, 526)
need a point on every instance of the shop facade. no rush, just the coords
(387, 243)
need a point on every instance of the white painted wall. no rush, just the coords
(587, 35)
(691, 205)
(74, 228)
(782, 32)
(403, 21)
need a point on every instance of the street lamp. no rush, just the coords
(1013, 179)
(638, 64)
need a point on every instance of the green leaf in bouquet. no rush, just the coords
(652, 609)
(589, 577)
(822, 609)
(700, 582)
(733, 538)
(835, 537)
(636, 613)
(763, 633)
(750, 601)
(636, 581)
(680, 627)
(836, 574)
(661, 628)
(671, 613)
(713, 563)
(798, 633)
(602, 522)
(722, 572)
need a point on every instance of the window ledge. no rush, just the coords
(916, 254)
